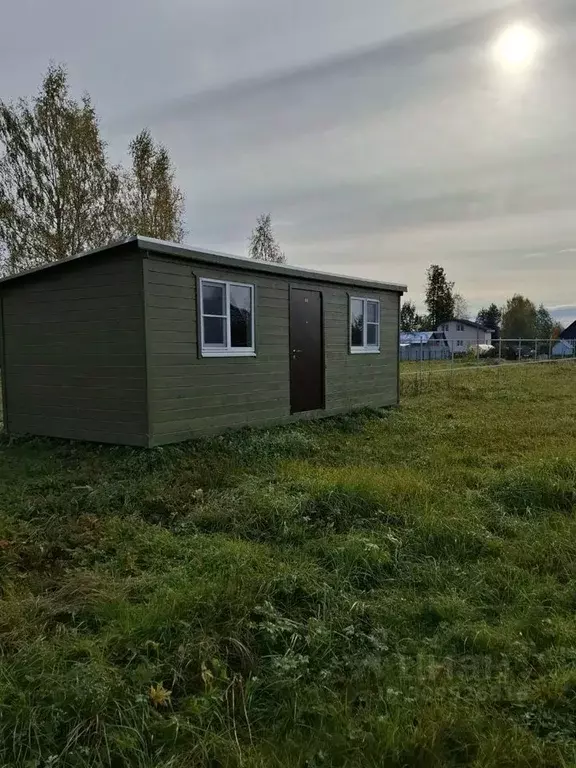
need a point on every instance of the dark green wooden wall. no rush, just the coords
(190, 395)
(74, 351)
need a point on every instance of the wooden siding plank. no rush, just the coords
(67, 413)
(231, 364)
(170, 312)
(84, 278)
(204, 400)
(99, 306)
(74, 394)
(82, 296)
(178, 348)
(107, 433)
(66, 288)
(130, 322)
(165, 267)
(167, 302)
(74, 318)
(84, 346)
(177, 280)
(221, 420)
(70, 385)
(61, 358)
(186, 386)
(58, 371)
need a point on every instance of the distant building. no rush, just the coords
(565, 346)
(424, 345)
(461, 335)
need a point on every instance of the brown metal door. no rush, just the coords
(306, 351)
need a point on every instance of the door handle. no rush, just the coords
(295, 352)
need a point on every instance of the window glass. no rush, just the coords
(213, 297)
(215, 331)
(372, 314)
(240, 316)
(372, 335)
(357, 322)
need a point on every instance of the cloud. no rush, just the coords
(565, 314)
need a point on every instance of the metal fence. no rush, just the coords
(447, 354)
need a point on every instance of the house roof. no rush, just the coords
(191, 253)
(419, 337)
(472, 324)
(415, 337)
(570, 332)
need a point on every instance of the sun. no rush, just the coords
(516, 48)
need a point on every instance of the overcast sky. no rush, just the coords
(382, 136)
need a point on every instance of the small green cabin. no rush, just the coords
(146, 343)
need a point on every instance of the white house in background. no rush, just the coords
(461, 335)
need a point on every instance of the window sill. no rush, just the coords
(228, 353)
(365, 351)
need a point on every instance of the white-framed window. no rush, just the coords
(459, 343)
(226, 319)
(459, 327)
(364, 325)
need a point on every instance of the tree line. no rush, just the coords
(519, 318)
(60, 194)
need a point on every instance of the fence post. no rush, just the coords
(550, 349)
(500, 349)
(519, 350)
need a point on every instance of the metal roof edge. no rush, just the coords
(163, 247)
(284, 270)
(76, 257)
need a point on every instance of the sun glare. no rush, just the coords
(516, 47)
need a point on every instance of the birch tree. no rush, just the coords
(154, 205)
(263, 244)
(58, 192)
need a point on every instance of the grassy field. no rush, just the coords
(387, 589)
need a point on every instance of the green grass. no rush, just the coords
(385, 589)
